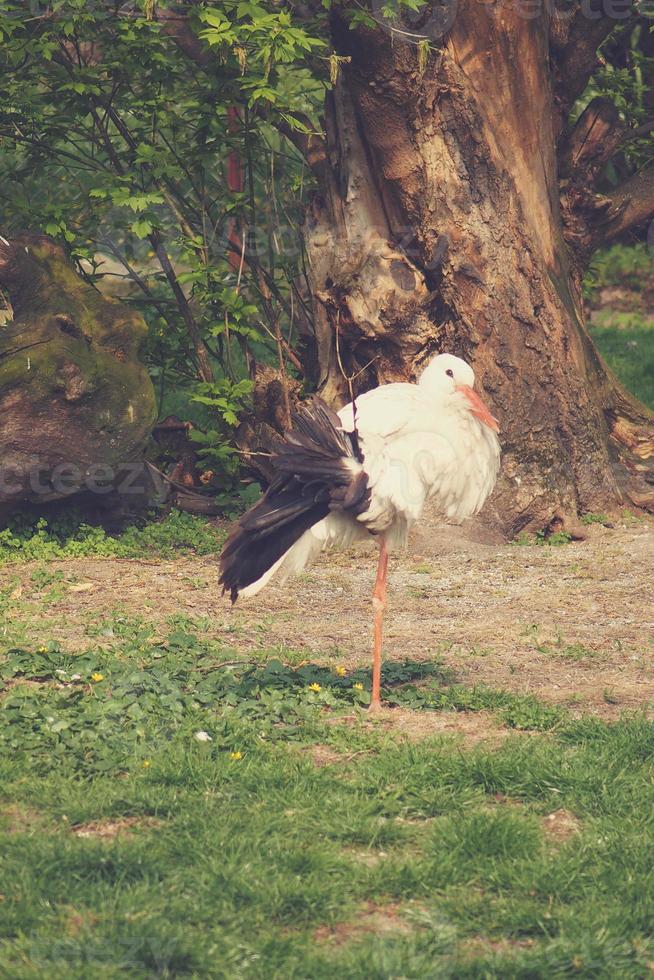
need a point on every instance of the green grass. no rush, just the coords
(30, 537)
(625, 338)
(555, 540)
(626, 266)
(629, 351)
(245, 858)
(591, 518)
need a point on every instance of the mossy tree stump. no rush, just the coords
(76, 404)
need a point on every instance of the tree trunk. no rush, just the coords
(76, 405)
(439, 225)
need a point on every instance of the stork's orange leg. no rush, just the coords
(378, 604)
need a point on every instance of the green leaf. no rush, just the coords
(142, 228)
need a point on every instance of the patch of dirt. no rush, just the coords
(77, 922)
(11, 682)
(503, 800)
(324, 755)
(561, 825)
(110, 829)
(413, 726)
(378, 919)
(573, 625)
(15, 819)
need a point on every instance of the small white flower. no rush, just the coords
(75, 677)
(203, 737)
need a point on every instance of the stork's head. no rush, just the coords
(447, 376)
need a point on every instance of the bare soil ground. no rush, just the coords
(571, 624)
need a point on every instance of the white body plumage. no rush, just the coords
(431, 440)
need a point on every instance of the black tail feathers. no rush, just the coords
(317, 469)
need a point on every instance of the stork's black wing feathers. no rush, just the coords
(317, 469)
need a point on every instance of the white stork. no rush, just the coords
(368, 472)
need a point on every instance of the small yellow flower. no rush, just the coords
(236, 755)
(97, 677)
(315, 687)
(146, 763)
(340, 671)
(358, 687)
(42, 650)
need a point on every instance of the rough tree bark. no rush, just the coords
(76, 405)
(457, 211)
(446, 220)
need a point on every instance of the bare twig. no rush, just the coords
(230, 663)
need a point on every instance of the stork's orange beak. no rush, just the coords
(478, 408)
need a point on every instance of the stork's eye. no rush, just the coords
(450, 373)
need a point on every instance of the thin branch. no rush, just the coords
(204, 366)
(290, 353)
(309, 144)
(645, 129)
(230, 663)
(136, 278)
(49, 150)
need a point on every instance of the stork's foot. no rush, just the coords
(375, 707)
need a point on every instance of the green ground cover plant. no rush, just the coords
(169, 808)
(30, 537)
